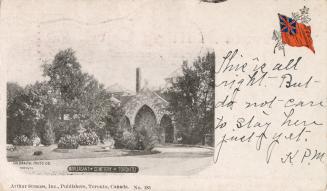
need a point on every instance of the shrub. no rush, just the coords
(127, 140)
(22, 140)
(10, 147)
(136, 140)
(69, 127)
(68, 142)
(37, 153)
(130, 140)
(148, 139)
(88, 138)
(118, 137)
(107, 141)
(36, 141)
(102, 134)
(48, 137)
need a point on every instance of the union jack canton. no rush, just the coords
(287, 24)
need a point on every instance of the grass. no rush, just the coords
(26, 153)
(188, 145)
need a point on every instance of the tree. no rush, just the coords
(25, 110)
(95, 109)
(79, 96)
(191, 99)
(69, 101)
(66, 79)
(47, 99)
(13, 91)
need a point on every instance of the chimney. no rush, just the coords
(138, 80)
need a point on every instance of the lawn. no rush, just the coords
(163, 160)
(26, 153)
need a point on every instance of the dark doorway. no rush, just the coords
(145, 119)
(167, 125)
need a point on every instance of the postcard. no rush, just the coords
(171, 95)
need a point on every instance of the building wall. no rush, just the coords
(151, 100)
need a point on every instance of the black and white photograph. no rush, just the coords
(107, 92)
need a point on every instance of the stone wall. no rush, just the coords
(148, 98)
(152, 101)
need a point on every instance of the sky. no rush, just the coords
(111, 39)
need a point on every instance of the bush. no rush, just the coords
(48, 137)
(22, 140)
(36, 141)
(68, 142)
(37, 153)
(88, 138)
(102, 134)
(69, 127)
(136, 140)
(130, 140)
(107, 141)
(118, 137)
(127, 140)
(10, 147)
(148, 139)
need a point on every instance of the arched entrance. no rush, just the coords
(125, 123)
(167, 125)
(145, 119)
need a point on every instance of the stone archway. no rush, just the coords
(145, 119)
(167, 126)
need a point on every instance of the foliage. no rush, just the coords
(23, 113)
(48, 134)
(68, 101)
(13, 125)
(118, 137)
(130, 140)
(65, 75)
(27, 110)
(191, 98)
(113, 119)
(79, 96)
(302, 16)
(13, 90)
(10, 147)
(109, 142)
(36, 141)
(37, 153)
(147, 139)
(68, 142)
(279, 44)
(136, 140)
(69, 127)
(22, 140)
(88, 138)
(105, 138)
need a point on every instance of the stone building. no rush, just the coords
(146, 110)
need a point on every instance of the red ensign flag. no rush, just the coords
(294, 33)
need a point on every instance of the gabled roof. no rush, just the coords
(125, 99)
(117, 88)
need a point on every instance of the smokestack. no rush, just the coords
(138, 80)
